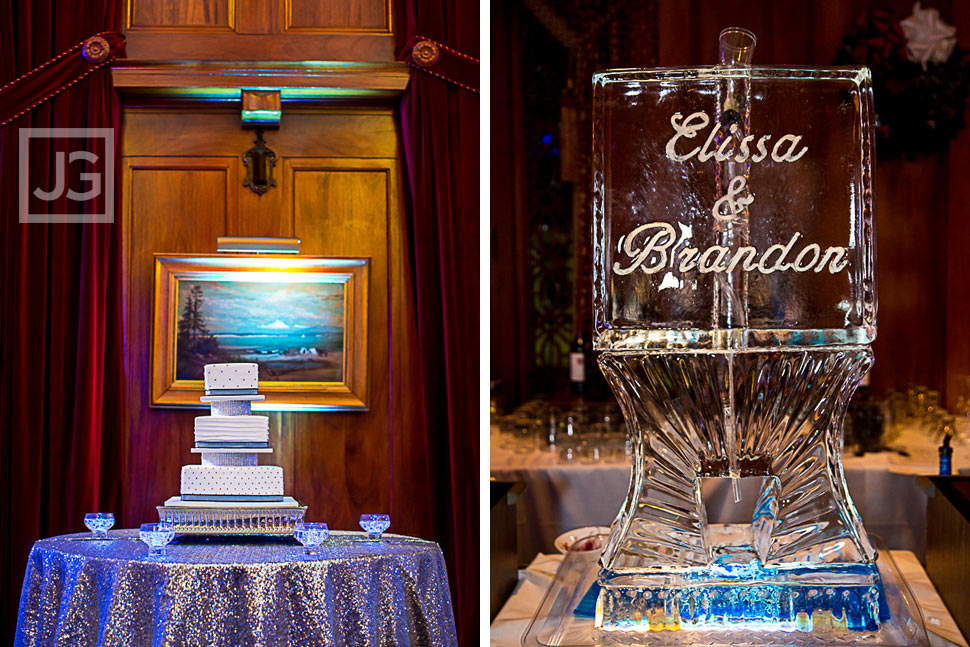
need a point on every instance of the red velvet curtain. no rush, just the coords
(61, 339)
(439, 123)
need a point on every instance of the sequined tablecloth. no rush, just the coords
(232, 593)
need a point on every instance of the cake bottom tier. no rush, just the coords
(227, 483)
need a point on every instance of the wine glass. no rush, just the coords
(99, 523)
(375, 524)
(311, 535)
(156, 536)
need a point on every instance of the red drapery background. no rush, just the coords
(440, 133)
(61, 340)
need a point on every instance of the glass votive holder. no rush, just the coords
(591, 442)
(156, 536)
(99, 523)
(527, 431)
(311, 535)
(575, 421)
(375, 524)
(935, 425)
(567, 443)
(947, 425)
(550, 426)
(614, 447)
(508, 432)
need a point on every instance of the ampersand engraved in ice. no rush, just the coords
(733, 203)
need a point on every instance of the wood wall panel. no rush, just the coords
(324, 16)
(338, 189)
(338, 208)
(259, 215)
(162, 195)
(910, 346)
(362, 134)
(260, 30)
(159, 45)
(180, 15)
(257, 17)
(957, 243)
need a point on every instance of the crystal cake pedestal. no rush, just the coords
(555, 624)
(236, 518)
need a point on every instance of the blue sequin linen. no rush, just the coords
(235, 593)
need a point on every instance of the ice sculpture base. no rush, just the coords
(774, 602)
(556, 624)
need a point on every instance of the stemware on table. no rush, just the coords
(311, 535)
(375, 524)
(99, 523)
(156, 536)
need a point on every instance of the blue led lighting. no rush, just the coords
(261, 116)
(753, 602)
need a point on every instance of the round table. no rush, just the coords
(235, 592)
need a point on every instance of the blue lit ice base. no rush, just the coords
(738, 613)
(781, 607)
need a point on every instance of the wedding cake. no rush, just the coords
(230, 490)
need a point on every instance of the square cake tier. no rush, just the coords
(231, 429)
(239, 482)
(229, 379)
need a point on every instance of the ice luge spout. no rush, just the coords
(737, 46)
(732, 225)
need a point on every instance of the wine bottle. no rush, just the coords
(577, 367)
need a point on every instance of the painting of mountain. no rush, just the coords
(294, 331)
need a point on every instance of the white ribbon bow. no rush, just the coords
(929, 38)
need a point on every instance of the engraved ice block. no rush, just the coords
(734, 302)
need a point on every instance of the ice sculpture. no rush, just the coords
(734, 302)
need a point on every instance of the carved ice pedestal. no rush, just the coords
(734, 302)
(803, 558)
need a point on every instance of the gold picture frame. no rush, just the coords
(213, 308)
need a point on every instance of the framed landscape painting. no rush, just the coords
(302, 319)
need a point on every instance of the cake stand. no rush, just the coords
(232, 519)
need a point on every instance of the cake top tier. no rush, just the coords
(231, 379)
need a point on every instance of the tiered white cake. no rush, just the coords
(230, 441)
